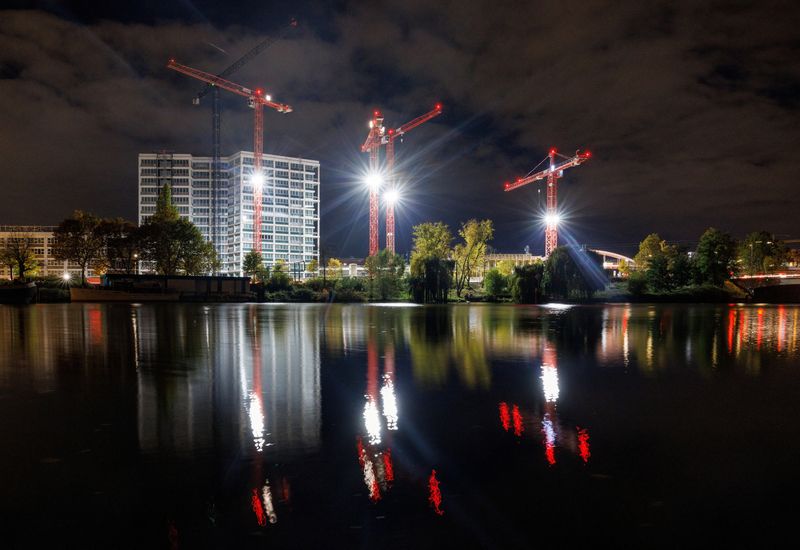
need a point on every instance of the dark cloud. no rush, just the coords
(691, 109)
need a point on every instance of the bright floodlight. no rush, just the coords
(391, 196)
(66, 276)
(257, 179)
(551, 219)
(374, 180)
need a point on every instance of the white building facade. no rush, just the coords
(290, 204)
(40, 240)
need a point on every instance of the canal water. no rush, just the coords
(395, 426)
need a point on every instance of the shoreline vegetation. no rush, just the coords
(442, 267)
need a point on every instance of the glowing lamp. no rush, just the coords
(374, 181)
(257, 179)
(438, 106)
(551, 219)
(66, 276)
(391, 196)
(268, 97)
(553, 151)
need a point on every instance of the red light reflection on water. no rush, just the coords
(549, 433)
(258, 509)
(583, 444)
(388, 468)
(517, 417)
(96, 326)
(505, 418)
(760, 328)
(731, 327)
(435, 494)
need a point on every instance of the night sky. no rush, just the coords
(691, 109)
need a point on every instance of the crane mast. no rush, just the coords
(377, 137)
(552, 174)
(256, 100)
(389, 140)
(216, 115)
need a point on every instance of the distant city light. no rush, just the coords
(257, 179)
(552, 219)
(392, 196)
(374, 180)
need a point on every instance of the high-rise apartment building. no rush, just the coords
(290, 204)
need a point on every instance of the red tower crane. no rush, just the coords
(373, 145)
(389, 140)
(256, 100)
(378, 136)
(553, 172)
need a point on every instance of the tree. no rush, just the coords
(279, 279)
(79, 240)
(651, 247)
(715, 257)
(663, 266)
(565, 278)
(505, 267)
(494, 283)
(174, 244)
(385, 271)
(526, 283)
(334, 268)
(253, 265)
(312, 266)
(470, 254)
(18, 255)
(761, 252)
(431, 241)
(122, 245)
(432, 283)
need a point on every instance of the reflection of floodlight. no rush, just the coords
(391, 196)
(66, 276)
(257, 179)
(374, 181)
(551, 219)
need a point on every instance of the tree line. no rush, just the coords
(170, 245)
(661, 267)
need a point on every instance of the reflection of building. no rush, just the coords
(40, 239)
(257, 368)
(290, 221)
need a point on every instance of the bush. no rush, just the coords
(637, 283)
(304, 294)
(317, 284)
(352, 284)
(278, 296)
(347, 295)
(494, 283)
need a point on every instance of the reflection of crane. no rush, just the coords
(552, 173)
(378, 135)
(215, 115)
(256, 100)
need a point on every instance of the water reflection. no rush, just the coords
(226, 401)
(375, 457)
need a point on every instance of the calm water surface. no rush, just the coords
(313, 426)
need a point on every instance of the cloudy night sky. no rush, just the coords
(691, 109)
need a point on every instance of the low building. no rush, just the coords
(40, 238)
(491, 261)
